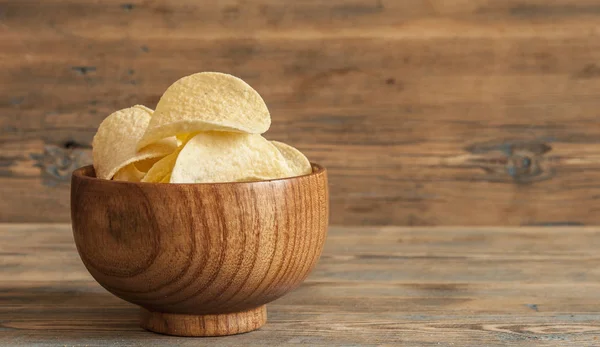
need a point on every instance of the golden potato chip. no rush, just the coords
(145, 165)
(115, 143)
(144, 108)
(295, 159)
(184, 138)
(129, 173)
(207, 101)
(162, 168)
(228, 157)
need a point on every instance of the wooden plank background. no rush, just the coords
(434, 112)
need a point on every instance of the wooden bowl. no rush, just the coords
(200, 259)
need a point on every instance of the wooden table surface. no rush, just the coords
(381, 286)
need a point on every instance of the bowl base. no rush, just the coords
(204, 325)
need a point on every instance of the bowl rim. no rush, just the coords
(80, 175)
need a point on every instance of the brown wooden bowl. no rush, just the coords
(200, 259)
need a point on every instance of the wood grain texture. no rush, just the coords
(204, 325)
(425, 112)
(372, 287)
(201, 259)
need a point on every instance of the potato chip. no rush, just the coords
(129, 173)
(115, 143)
(228, 157)
(207, 101)
(144, 108)
(146, 164)
(162, 168)
(295, 159)
(184, 138)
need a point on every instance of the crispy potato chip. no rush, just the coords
(184, 138)
(162, 168)
(115, 143)
(297, 162)
(145, 165)
(144, 108)
(129, 173)
(228, 157)
(207, 101)
(295, 159)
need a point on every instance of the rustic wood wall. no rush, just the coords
(426, 112)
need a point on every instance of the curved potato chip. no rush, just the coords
(207, 101)
(114, 145)
(184, 138)
(129, 173)
(144, 108)
(295, 159)
(146, 164)
(228, 157)
(162, 168)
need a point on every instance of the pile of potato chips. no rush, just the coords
(206, 128)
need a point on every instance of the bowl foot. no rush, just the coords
(204, 325)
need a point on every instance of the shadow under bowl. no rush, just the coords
(200, 259)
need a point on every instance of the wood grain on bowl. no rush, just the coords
(425, 112)
(201, 259)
